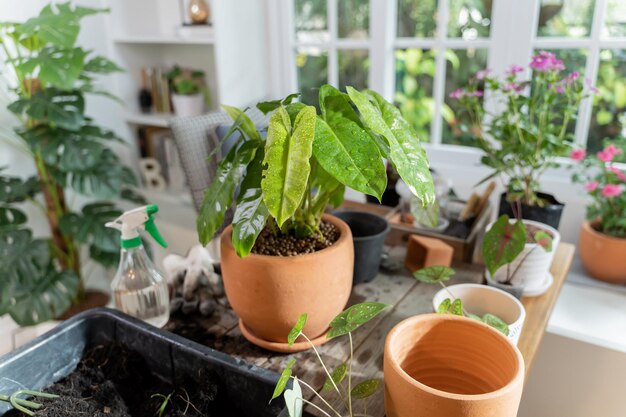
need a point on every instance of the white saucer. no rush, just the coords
(541, 288)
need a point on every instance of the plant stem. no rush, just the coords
(322, 363)
(318, 396)
(350, 376)
(311, 404)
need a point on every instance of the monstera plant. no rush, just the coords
(49, 76)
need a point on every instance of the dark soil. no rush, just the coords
(269, 243)
(112, 381)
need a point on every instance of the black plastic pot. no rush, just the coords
(55, 354)
(368, 234)
(549, 214)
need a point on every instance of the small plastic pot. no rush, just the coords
(549, 214)
(368, 234)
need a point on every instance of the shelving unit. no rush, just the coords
(164, 40)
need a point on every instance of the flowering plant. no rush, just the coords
(606, 184)
(530, 130)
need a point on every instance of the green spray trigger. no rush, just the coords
(128, 223)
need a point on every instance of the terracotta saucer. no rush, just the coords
(282, 347)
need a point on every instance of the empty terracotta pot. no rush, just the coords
(269, 293)
(603, 256)
(441, 365)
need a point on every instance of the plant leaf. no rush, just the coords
(426, 215)
(219, 195)
(502, 243)
(293, 399)
(287, 157)
(434, 274)
(11, 218)
(496, 322)
(353, 317)
(16, 190)
(283, 379)
(544, 240)
(366, 388)
(103, 180)
(456, 308)
(59, 108)
(57, 67)
(250, 214)
(270, 106)
(444, 306)
(297, 329)
(102, 65)
(406, 154)
(246, 124)
(337, 376)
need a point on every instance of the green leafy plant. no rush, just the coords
(27, 407)
(505, 241)
(50, 76)
(188, 82)
(166, 400)
(344, 324)
(454, 305)
(524, 139)
(306, 161)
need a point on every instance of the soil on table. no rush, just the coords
(112, 381)
(269, 243)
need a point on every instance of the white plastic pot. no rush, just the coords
(188, 105)
(534, 271)
(480, 299)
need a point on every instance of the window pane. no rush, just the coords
(615, 20)
(461, 65)
(415, 72)
(353, 19)
(609, 104)
(469, 19)
(311, 21)
(312, 66)
(354, 67)
(569, 18)
(417, 18)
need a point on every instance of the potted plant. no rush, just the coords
(302, 259)
(526, 137)
(41, 278)
(518, 255)
(190, 93)
(602, 241)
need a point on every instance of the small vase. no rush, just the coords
(603, 256)
(199, 12)
(188, 105)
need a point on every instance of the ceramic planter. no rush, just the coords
(368, 236)
(550, 214)
(269, 293)
(534, 272)
(441, 365)
(603, 256)
(480, 299)
(188, 105)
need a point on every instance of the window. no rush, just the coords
(416, 52)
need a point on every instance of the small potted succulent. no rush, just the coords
(525, 139)
(602, 242)
(190, 93)
(518, 255)
(283, 255)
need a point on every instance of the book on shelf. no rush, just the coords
(160, 89)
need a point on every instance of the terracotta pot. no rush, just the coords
(603, 256)
(441, 365)
(269, 293)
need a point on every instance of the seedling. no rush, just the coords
(26, 406)
(166, 399)
(345, 323)
(505, 241)
(454, 305)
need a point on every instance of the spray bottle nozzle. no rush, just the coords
(128, 223)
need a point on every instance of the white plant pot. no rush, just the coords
(534, 271)
(191, 105)
(480, 299)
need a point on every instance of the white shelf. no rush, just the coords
(163, 40)
(150, 119)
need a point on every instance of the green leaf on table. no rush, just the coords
(16, 190)
(250, 214)
(496, 322)
(434, 274)
(344, 148)
(337, 376)
(503, 243)
(544, 240)
(287, 155)
(366, 388)
(353, 317)
(293, 399)
(283, 379)
(297, 329)
(219, 195)
(102, 65)
(243, 122)
(58, 108)
(405, 152)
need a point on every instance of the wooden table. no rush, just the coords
(407, 297)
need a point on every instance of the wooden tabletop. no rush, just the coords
(407, 297)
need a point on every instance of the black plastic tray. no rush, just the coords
(55, 354)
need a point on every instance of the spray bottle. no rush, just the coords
(138, 287)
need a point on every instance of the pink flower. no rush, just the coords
(477, 93)
(578, 154)
(613, 150)
(591, 186)
(559, 89)
(611, 190)
(515, 69)
(573, 76)
(456, 94)
(546, 61)
(592, 88)
(480, 75)
(620, 174)
(605, 156)
(514, 87)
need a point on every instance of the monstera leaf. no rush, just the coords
(56, 107)
(103, 180)
(16, 190)
(56, 67)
